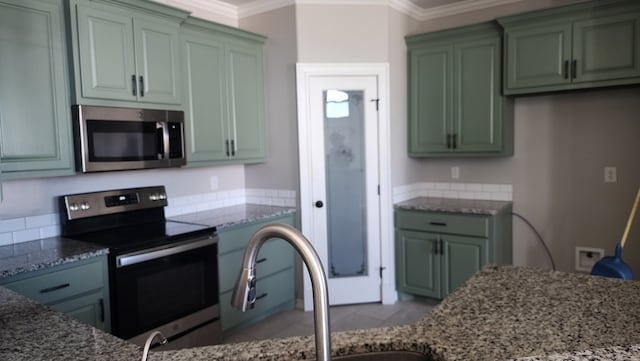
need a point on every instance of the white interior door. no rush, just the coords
(343, 150)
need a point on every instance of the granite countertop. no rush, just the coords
(501, 313)
(44, 253)
(449, 205)
(234, 215)
(49, 252)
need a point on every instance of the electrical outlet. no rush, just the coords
(610, 175)
(213, 182)
(587, 257)
(455, 172)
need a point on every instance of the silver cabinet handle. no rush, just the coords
(141, 86)
(134, 86)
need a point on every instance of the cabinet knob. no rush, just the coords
(319, 204)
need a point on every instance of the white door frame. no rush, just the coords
(304, 72)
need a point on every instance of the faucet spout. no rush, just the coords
(244, 293)
(147, 345)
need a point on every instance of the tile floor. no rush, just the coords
(300, 323)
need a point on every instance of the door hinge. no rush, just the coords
(377, 100)
(382, 269)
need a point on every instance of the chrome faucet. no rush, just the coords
(147, 345)
(244, 293)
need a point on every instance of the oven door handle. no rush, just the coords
(148, 255)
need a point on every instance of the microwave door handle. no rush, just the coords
(162, 131)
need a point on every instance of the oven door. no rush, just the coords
(163, 285)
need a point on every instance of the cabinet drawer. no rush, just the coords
(62, 284)
(275, 255)
(238, 237)
(272, 291)
(473, 225)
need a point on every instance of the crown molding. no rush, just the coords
(213, 7)
(406, 7)
(262, 6)
(460, 8)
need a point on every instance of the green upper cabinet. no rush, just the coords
(455, 103)
(35, 134)
(224, 87)
(124, 53)
(580, 46)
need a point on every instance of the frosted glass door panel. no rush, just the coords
(345, 179)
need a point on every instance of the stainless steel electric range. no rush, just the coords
(163, 275)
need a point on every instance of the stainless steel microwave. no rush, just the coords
(109, 138)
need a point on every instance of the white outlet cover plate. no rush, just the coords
(585, 263)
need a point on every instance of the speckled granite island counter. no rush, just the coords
(502, 313)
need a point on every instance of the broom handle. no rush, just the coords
(631, 215)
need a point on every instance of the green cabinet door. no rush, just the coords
(538, 56)
(246, 102)
(418, 266)
(224, 86)
(206, 124)
(35, 133)
(106, 53)
(157, 60)
(89, 309)
(462, 257)
(430, 99)
(607, 48)
(477, 121)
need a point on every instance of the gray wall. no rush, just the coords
(562, 144)
(342, 33)
(281, 169)
(405, 170)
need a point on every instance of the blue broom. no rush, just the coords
(614, 266)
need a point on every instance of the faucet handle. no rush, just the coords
(251, 296)
(244, 294)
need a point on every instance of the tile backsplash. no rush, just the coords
(23, 229)
(494, 192)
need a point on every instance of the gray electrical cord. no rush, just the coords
(553, 264)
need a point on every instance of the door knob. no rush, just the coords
(319, 204)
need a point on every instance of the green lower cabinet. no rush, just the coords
(586, 45)
(79, 289)
(275, 272)
(437, 252)
(35, 112)
(224, 84)
(456, 107)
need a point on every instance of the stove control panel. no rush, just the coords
(115, 201)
